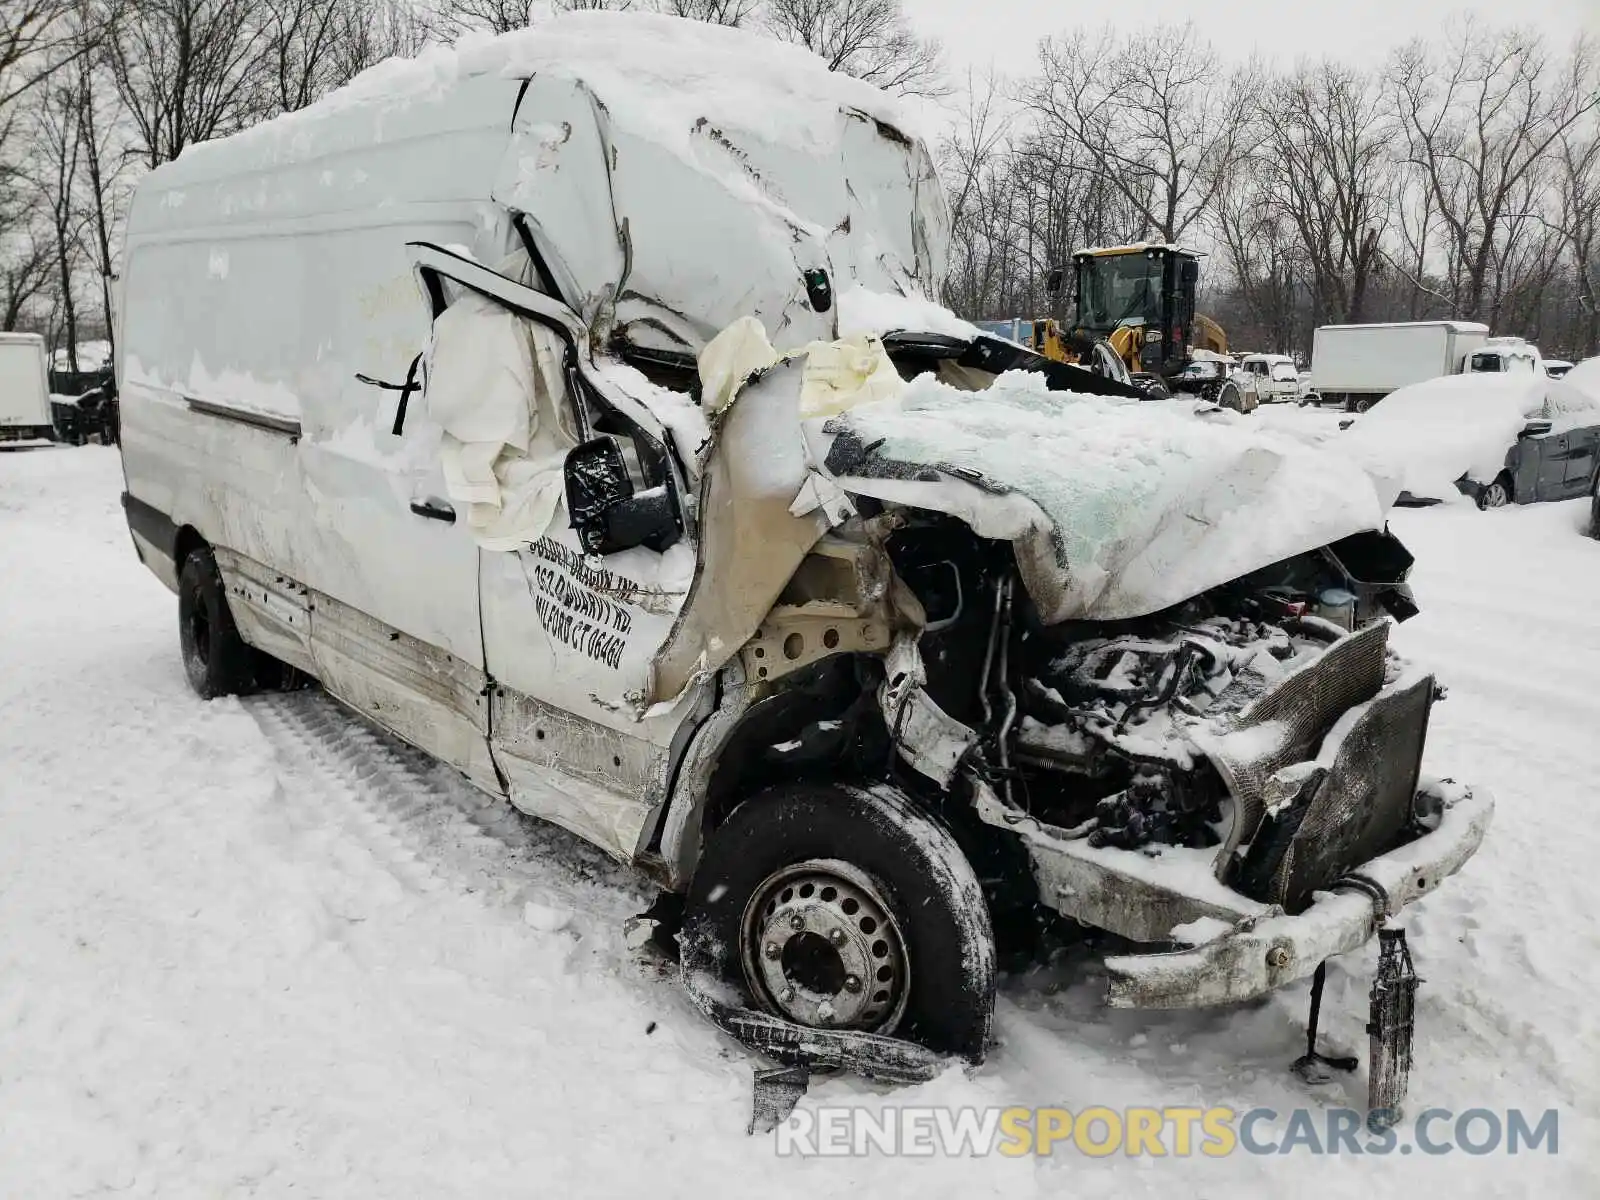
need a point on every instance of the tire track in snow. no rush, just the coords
(432, 832)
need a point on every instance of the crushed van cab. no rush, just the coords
(576, 406)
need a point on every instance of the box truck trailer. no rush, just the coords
(575, 406)
(24, 388)
(1358, 365)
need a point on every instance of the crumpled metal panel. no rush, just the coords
(1288, 723)
(1364, 802)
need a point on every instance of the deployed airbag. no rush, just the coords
(495, 388)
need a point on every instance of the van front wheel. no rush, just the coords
(840, 907)
(215, 657)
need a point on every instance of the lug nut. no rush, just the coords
(786, 995)
(837, 937)
(772, 950)
(1277, 957)
(797, 922)
(852, 984)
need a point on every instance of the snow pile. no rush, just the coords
(1426, 436)
(677, 175)
(1122, 508)
(866, 312)
(657, 73)
(1585, 377)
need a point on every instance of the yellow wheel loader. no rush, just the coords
(1140, 301)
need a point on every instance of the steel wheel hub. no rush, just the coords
(820, 947)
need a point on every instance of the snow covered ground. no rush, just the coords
(255, 948)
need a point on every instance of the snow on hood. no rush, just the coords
(1426, 436)
(1117, 508)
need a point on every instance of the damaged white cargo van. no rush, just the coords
(574, 407)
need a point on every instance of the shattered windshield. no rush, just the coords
(1119, 289)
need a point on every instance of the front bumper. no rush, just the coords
(1261, 954)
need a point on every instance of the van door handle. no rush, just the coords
(434, 510)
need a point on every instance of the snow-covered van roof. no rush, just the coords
(1454, 326)
(674, 175)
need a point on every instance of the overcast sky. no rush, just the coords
(1006, 32)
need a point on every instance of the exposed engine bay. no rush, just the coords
(1117, 734)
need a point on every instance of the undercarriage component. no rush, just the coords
(874, 1055)
(1268, 951)
(1314, 1066)
(775, 1092)
(1392, 1023)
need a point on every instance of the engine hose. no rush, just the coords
(1181, 662)
(1370, 888)
(1003, 683)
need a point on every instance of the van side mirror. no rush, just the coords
(1536, 428)
(607, 512)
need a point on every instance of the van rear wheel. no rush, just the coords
(840, 907)
(215, 658)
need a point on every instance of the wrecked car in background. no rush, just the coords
(1498, 439)
(623, 462)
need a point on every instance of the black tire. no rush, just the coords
(1229, 396)
(1594, 508)
(1153, 386)
(216, 659)
(1497, 494)
(946, 942)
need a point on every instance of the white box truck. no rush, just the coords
(24, 388)
(546, 400)
(1358, 365)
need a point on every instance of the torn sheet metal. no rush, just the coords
(670, 171)
(751, 542)
(927, 737)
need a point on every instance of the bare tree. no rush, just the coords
(57, 135)
(978, 181)
(103, 165)
(376, 30)
(870, 39)
(1262, 251)
(37, 38)
(189, 70)
(1578, 174)
(300, 40)
(1155, 114)
(1480, 119)
(25, 259)
(1329, 166)
(455, 17)
(733, 13)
